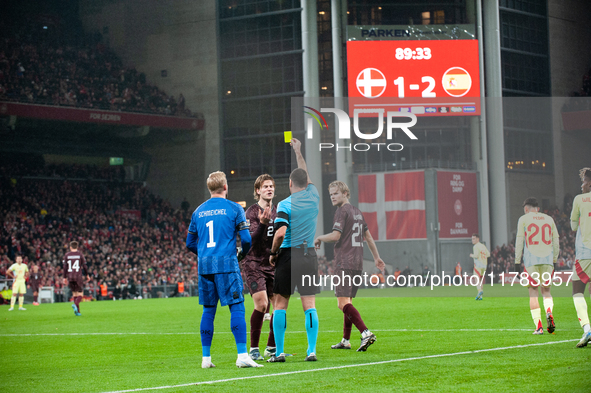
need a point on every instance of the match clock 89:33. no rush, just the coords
(414, 54)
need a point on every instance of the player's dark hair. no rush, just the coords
(299, 177)
(531, 201)
(74, 244)
(258, 184)
(585, 173)
(475, 235)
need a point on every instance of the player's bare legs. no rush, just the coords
(581, 307)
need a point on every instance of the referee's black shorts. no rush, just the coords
(294, 269)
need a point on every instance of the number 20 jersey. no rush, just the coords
(349, 249)
(217, 222)
(539, 234)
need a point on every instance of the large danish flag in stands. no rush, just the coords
(393, 205)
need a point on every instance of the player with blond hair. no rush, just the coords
(580, 221)
(212, 236)
(537, 231)
(349, 230)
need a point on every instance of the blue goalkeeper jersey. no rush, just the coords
(216, 223)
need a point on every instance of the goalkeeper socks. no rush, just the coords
(279, 328)
(353, 315)
(238, 326)
(536, 314)
(581, 307)
(207, 329)
(271, 339)
(256, 324)
(347, 324)
(311, 329)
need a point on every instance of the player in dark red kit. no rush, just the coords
(349, 230)
(255, 265)
(75, 272)
(35, 281)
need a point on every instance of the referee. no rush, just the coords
(294, 256)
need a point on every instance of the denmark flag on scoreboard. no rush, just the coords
(393, 205)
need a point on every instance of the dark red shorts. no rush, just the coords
(259, 280)
(347, 287)
(76, 286)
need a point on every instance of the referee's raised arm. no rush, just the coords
(297, 148)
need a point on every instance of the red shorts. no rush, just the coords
(76, 286)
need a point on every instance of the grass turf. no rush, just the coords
(156, 343)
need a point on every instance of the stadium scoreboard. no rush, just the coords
(427, 77)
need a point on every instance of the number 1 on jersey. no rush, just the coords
(210, 243)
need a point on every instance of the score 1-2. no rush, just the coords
(416, 54)
(427, 92)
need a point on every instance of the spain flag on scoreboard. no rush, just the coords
(457, 81)
(393, 205)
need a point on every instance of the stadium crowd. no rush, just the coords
(133, 240)
(130, 237)
(36, 66)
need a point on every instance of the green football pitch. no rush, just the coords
(441, 340)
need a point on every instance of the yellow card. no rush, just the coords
(287, 136)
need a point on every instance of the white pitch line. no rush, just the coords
(341, 367)
(291, 332)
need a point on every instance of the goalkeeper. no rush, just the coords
(212, 236)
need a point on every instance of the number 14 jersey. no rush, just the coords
(349, 249)
(537, 231)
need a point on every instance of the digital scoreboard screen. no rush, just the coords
(424, 77)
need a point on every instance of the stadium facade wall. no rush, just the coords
(177, 172)
(180, 38)
(570, 38)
